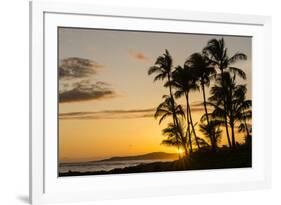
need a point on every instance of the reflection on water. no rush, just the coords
(102, 165)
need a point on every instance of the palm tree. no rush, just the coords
(218, 56)
(241, 107)
(218, 101)
(184, 82)
(212, 132)
(171, 132)
(163, 70)
(204, 71)
(244, 126)
(164, 110)
(228, 99)
(216, 52)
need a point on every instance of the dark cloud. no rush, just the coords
(138, 55)
(86, 90)
(109, 114)
(77, 68)
(76, 81)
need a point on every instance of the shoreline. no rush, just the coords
(203, 160)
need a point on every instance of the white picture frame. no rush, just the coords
(46, 187)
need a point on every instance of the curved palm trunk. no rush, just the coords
(193, 129)
(227, 132)
(225, 115)
(231, 120)
(233, 135)
(183, 144)
(207, 118)
(178, 146)
(190, 118)
(185, 150)
(247, 129)
(175, 119)
(188, 127)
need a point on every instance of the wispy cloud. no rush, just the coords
(115, 114)
(198, 106)
(86, 90)
(109, 114)
(138, 55)
(75, 67)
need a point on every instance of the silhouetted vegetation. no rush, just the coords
(202, 159)
(213, 71)
(226, 111)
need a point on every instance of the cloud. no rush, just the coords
(196, 109)
(138, 55)
(86, 90)
(120, 114)
(109, 114)
(114, 114)
(75, 67)
(76, 81)
(198, 106)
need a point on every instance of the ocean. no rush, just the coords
(103, 165)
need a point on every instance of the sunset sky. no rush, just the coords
(107, 100)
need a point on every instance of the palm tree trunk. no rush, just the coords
(193, 129)
(188, 133)
(247, 129)
(207, 118)
(188, 127)
(233, 135)
(175, 119)
(233, 138)
(185, 150)
(225, 116)
(227, 133)
(191, 122)
(231, 120)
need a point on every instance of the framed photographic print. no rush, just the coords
(129, 102)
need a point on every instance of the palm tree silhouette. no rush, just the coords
(228, 99)
(212, 132)
(241, 107)
(165, 109)
(203, 70)
(183, 79)
(163, 70)
(244, 126)
(171, 132)
(218, 56)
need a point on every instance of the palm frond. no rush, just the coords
(153, 69)
(236, 57)
(163, 117)
(238, 72)
(160, 76)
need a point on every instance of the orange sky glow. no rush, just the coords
(115, 118)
